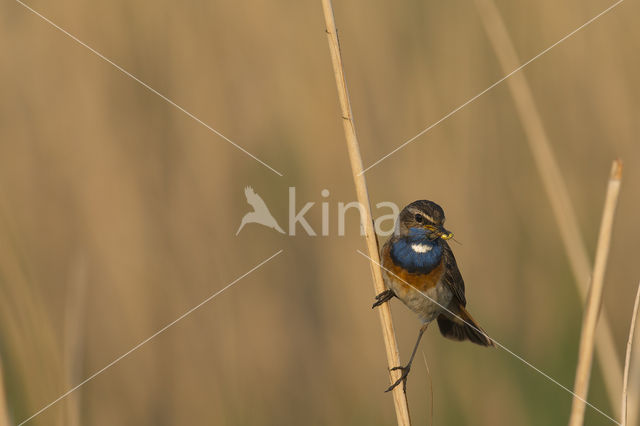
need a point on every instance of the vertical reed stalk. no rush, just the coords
(594, 300)
(627, 362)
(4, 411)
(74, 337)
(393, 358)
(426, 364)
(633, 411)
(25, 326)
(555, 187)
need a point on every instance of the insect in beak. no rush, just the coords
(444, 234)
(437, 232)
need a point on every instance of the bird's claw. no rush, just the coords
(383, 297)
(402, 379)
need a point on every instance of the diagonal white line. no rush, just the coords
(496, 342)
(492, 86)
(145, 85)
(136, 347)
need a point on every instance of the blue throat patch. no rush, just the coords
(413, 261)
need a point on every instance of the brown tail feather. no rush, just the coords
(454, 328)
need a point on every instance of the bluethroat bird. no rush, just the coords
(420, 270)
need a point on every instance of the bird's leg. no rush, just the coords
(383, 297)
(405, 369)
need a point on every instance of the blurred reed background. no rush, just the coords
(118, 212)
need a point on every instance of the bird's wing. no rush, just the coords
(452, 276)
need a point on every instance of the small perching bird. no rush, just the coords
(420, 270)
(260, 213)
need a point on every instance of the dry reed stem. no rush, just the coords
(633, 411)
(555, 187)
(26, 328)
(393, 358)
(4, 411)
(594, 300)
(627, 363)
(74, 336)
(426, 364)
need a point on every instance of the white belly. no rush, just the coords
(427, 304)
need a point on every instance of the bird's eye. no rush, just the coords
(419, 218)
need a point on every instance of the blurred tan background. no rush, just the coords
(118, 212)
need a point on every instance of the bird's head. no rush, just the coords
(422, 219)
